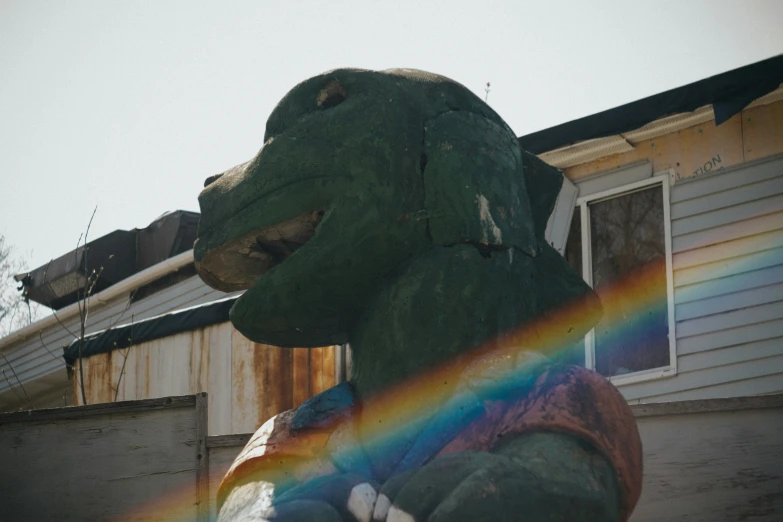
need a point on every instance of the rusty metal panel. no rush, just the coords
(247, 383)
(301, 375)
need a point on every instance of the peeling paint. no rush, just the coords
(490, 231)
(263, 380)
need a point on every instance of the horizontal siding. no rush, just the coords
(708, 184)
(729, 249)
(32, 358)
(738, 230)
(740, 264)
(767, 384)
(730, 337)
(731, 319)
(761, 206)
(728, 285)
(730, 199)
(730, 355)
(707, 378)
(727, 237)
(119, 311)
(40, 355)
(742, 298)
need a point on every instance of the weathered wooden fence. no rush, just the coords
(222, 449)
(709, 460)
(136, 460)
(715, 460)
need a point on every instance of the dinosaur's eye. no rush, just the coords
(331, 95)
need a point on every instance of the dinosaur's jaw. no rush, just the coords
(238, 264)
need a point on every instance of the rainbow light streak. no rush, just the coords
(395, 415)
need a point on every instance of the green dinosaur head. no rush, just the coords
(360, 173)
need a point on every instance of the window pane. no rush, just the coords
(573, 248)
(629, 274)
(575, 354)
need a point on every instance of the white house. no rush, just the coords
(155, 275)
(672, 209)
(679, 196)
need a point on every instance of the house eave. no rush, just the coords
(100, 299)
(593, 149)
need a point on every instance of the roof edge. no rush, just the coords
(729, 91)
(100, 299)
(593, 149)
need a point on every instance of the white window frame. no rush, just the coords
(582, 206)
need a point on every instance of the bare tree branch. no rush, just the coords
(84, 305)
(11, 386)
(46, 347)
(119, 317)
(87, 268)
(124, 362)
(29, 402)
(12, 302)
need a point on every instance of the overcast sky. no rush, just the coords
(129, 105)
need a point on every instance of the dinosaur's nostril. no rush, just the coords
(210, 180)
(331, 95)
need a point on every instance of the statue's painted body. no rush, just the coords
(395, 211)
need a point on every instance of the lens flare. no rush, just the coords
(628, 304)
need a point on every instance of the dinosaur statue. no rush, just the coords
(395, 211)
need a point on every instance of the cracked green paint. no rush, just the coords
(390, 210)
(404, 166)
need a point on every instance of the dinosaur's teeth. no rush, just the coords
(278, 250)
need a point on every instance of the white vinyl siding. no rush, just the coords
(38, 361)
(727, 242)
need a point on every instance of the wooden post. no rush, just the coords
(202, 459)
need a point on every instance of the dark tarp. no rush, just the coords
(149, 329)
(115, 256)
(728, 93)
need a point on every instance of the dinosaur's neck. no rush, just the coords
(453, 301)
(449, 304)
(445, 304)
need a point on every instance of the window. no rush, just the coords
(620, 241)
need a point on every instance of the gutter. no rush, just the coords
(137, 280)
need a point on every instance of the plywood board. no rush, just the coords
(712, 467)
(754, 134)
(91, 463)
(762, 130)
(698, 149)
